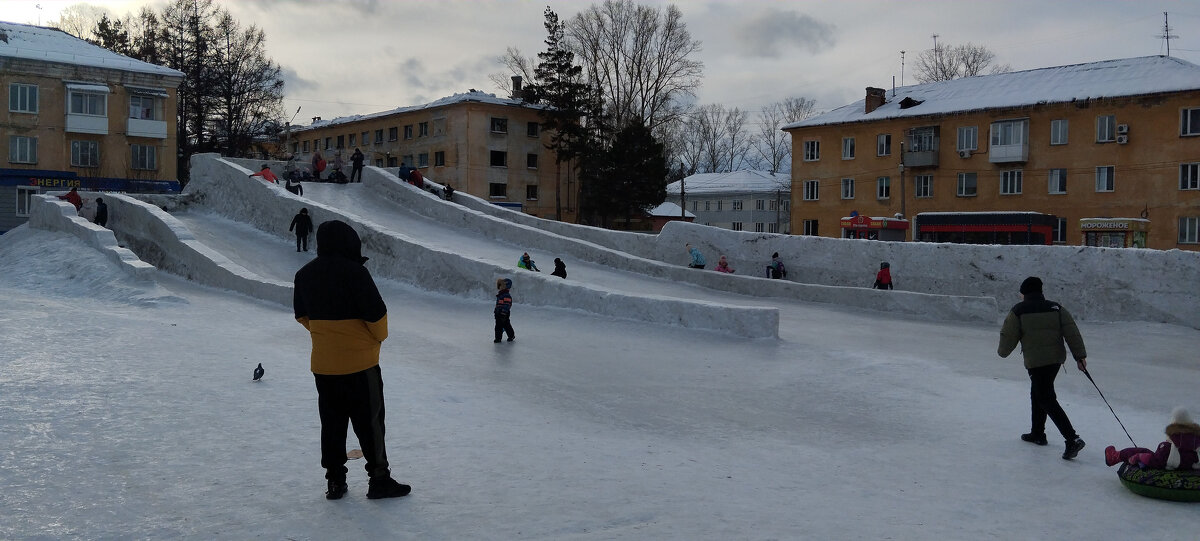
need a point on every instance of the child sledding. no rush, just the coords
(1170, 472)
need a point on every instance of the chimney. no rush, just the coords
(516, 89)
(875, 98)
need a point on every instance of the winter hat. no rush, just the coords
(884, 265)
(337, 238)
(1180, 417)
(1031, 285)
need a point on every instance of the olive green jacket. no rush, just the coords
(1041, 327)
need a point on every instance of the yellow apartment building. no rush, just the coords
(1101, 154)
(79, 115)
(480, 144)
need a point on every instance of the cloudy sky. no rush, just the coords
(362, 56)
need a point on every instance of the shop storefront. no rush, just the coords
(985, 227)
(18, 186)
(874, 228)
(1114, 232)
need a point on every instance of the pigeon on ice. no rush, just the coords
(258, 372)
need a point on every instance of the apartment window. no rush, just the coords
(968, 138)
(366, 139)
(422, 129)
(408, 132)
(1189, 122)
(1010, 182)
(883, 144)
(85, 154)
(531, 192)
(883, 188)
(295, 147)
(771, 204)
(391, 162)
(439, 159)
(772, 227)
(353, 139)
(1106, 128)
(847, 188)
(759, 227)
(967, 185)
(497, 189)
(760, 204)
(1009, 132)
(810, 191)
(145, 108)
(1189, 176)
(1060, 231)
(720, 204)
(306, 146)
(378, 136)
(924, 139)
(423, 159)
(22, 149)
(86, 103)
(328, 143)
(407, 160)
(393, 133)
(531, 161)
(22, 98)
(145, 157)
(25, 199)
(499, 125)
(533, 129)
(341, 141)
(736, 226)
(499, 158)
(812, 151)
(924, 185)
(847, 148)
(737, 204)
(707, 205)
(1058, 181)
(1104, 178)
(695, 205)
(1058, 131)
(1189, 230)
(316, 145)
(810, 227)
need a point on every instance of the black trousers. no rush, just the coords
(503, 325)
(301, 242)
(358, 399)
(356, 172)
(1044, 402)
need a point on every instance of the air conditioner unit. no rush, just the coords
(1122, 128)
(1122, 139)
(964, 154)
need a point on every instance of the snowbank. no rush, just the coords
(53, 214)
(222, 186)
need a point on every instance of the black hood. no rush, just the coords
(337, 238)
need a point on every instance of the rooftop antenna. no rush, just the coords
(1167, 36)
(901, 68)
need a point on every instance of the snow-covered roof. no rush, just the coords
(52, 45)
(669, 209)
(471, 96)
(746, 180)
(1094, 80)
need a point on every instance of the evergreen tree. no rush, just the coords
(111, 35)
(626, 178)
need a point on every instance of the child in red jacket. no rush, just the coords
(883, 278)
(1177, 453)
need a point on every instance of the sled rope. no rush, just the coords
(1110, 408)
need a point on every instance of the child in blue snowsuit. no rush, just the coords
(503, 309)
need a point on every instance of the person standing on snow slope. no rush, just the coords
(503, 310)
(335, 298)
(1041, 327)
(303, 226)
(356, 165)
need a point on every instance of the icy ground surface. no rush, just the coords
(128, 412)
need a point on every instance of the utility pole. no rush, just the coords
(1167, 36)
(682, 196)
(903, 210)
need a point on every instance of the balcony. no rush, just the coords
(93, 124)
(921, 147)
(1009, 153)
(147, 128)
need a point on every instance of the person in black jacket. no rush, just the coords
(503, 310)
(335, 298)
(560, 268)
(356, 165)
(101, 213)
(302, 225)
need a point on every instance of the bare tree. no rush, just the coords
(247, 86)
(639, 57)
(714, 139)
(80, 20)
(773, 149)
(948, 62)
(517, 64)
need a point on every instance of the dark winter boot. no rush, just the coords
(1037, 439)
(386, 487)
(1073, 448)
(335, 489)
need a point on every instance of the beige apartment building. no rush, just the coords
(1101, 154)
(80, 116)
(480, 144)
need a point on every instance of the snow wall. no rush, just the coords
(222, 186)
(619, 249)
(53, 214)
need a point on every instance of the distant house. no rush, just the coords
(1099, 154)
(667, 212)
(80, 116)
(746, 200)
(487, 146)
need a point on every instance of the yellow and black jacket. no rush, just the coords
(336, 299)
